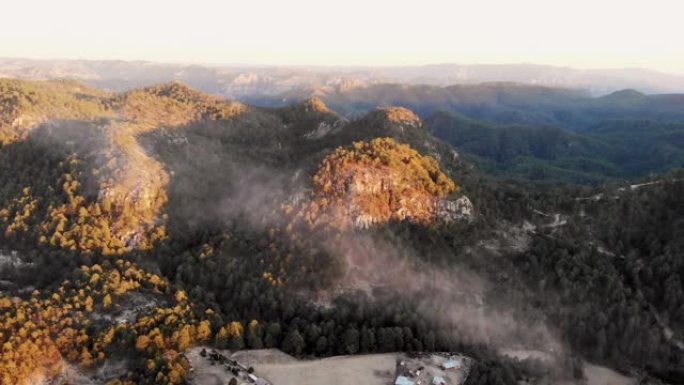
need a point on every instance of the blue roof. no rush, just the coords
(402, 380)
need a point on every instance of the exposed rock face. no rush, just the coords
(455, 210)
(375, 182)
(135, 182)
(377, 195)
(321, 131)
(344, 84)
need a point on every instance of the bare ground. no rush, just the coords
(281, 369)
(600, 375)
(375, 369)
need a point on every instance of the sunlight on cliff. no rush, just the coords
(375, 182)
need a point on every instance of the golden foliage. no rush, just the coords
(39, 334)
(374, 182)
(400, 115)
(102, 225)
(127, 213)
(20, 210)
(173, 104)
(181, 296)
(315, 104)
(24, 104)
(204, 330)
(112, 225)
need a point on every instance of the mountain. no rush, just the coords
(538, 133)
(597, 81)
(501, 103)
(241, 81)
(137, 226)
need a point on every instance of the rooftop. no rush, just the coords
(452, 363)
(402, 380)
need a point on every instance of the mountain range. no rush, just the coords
(240, 81)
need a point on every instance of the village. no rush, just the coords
(432, 369)
(272, 367)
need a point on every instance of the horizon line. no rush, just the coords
(340, 66)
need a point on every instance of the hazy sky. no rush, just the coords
(578, 33)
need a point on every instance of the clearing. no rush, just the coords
(274, 367)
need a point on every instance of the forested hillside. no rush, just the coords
(534, 133)
(610, 151)
(136, 225)
(498, 102)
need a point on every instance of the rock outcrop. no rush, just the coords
(375, 182)
(460, 209)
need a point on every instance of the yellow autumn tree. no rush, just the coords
(204, 330)
(107, 301)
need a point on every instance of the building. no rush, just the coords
(438, 380)
(452, 363)
(256, 380)
(403, 380)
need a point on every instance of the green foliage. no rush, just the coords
(610, 151)
(24, 103)
(293, 343)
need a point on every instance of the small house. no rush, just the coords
(403, 380)
(438, 380)
(452, 363)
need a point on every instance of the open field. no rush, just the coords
(281, 369)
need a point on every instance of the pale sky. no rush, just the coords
(576, 33)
